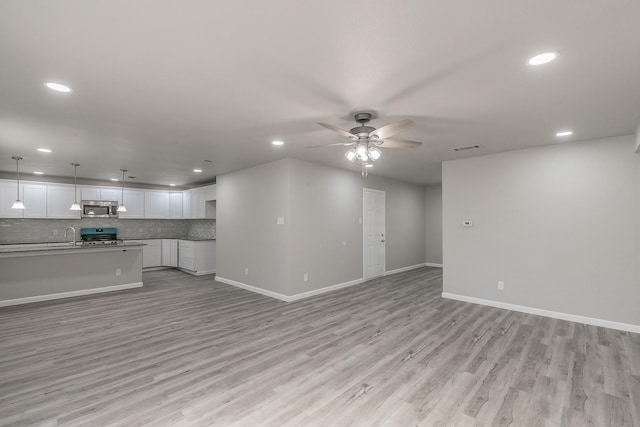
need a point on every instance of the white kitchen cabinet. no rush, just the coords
(170, 252)
(197, 203)
(197, 257)
(156, 204)
(175, 205)
(209, 192)
(134, 201)
(35, 200)
(59, 200)
(108, 194)
(186, 204)
(8, 194)
(152, 253)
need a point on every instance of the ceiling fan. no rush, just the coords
(366, 141)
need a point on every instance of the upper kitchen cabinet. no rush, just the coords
(156, 204)
(209, 192)
(175, 205)
(107, 194)
(134, 201)
(197, 201)
(35, 200)
(59, 200)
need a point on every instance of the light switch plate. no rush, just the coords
(280, 220)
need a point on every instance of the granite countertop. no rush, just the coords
(56, 247)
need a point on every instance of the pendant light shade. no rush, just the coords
(122, 207)
(75, 206)
(17, 204)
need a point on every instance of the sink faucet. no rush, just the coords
(73, 230)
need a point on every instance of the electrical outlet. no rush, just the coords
(118, 272)
(500, 285)
(305, 277)
(246, 271)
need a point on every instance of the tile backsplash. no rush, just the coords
(52, 230)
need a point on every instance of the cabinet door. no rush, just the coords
(35, 201)
(134, 201)
(110, 194)
(156, 204)
(186, 204)
(152, 253)
(175, 205)
(209, 192)
(169, 252)
(186, 258)
(90, 193)
(197, 203)
(8, 194)
(59, 200)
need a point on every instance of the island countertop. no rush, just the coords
(28, 249)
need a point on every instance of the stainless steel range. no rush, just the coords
(99, 236)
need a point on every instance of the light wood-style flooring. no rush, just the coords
(187, 350)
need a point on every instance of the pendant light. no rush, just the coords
(75, 206)
(17, 204)
(122, 207)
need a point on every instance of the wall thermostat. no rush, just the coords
(467, 223)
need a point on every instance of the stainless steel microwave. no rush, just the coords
(99, 209)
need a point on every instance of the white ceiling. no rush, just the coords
(160, 86)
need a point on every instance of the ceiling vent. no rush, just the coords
(468, 147)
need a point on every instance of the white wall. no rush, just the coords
(321, 237)
(248, 203)
(433, 223)
(557, 224)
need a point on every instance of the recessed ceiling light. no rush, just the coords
(543, 58)
(197, 170)
(369, 165)
(58, 87)
(565, 133)
(277, 142)
(172, 185)
(44, 150)
(114, 179)
(38, 173)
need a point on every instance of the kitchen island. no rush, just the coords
(31, 273)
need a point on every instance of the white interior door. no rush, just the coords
(374, 234)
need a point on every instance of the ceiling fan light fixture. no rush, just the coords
(374, 153)
(361, 152)
(351, 155)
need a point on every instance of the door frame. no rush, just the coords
(364, 236)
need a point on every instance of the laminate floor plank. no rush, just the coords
(189, 351)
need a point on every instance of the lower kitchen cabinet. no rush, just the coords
(169, 252)
(197, 257)
(152, 253)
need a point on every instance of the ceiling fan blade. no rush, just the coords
(331, 145)
(390, 130)
(399, 143)
(338, 130)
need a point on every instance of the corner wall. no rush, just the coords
(557, 224)
(322, 234)
(433, 224)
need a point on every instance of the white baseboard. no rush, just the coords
(324, 290)
(403, 269)
(433, 264)
(252, 288)
(39, 298)
(197, 273)
(289, 298)
(547, 313)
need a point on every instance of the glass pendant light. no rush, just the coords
(75, 206)
(17, 204)
(122, 207)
